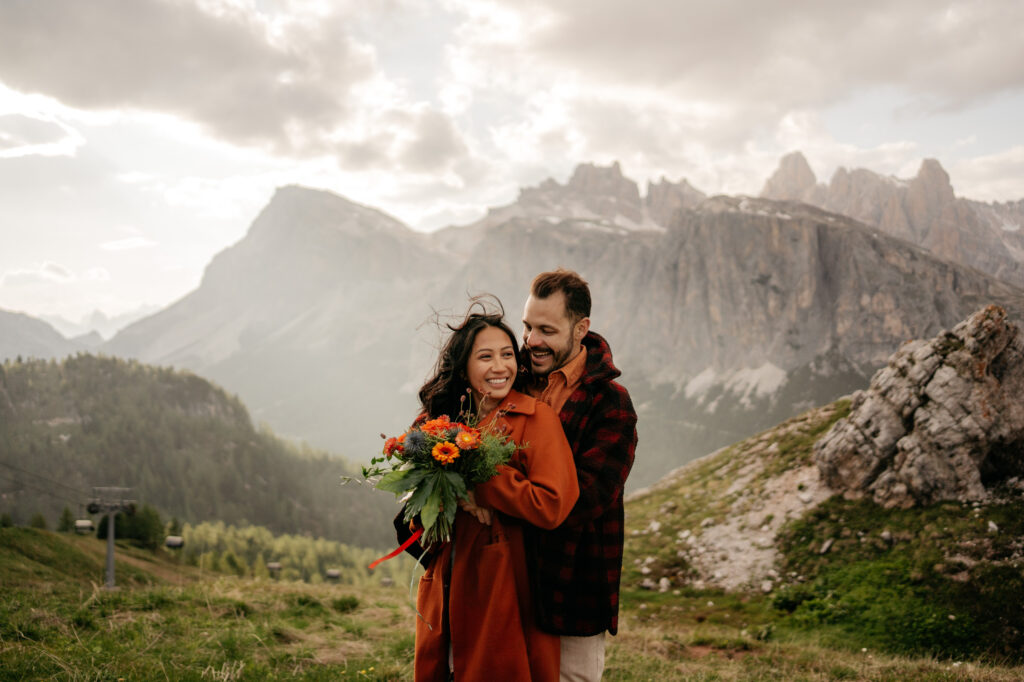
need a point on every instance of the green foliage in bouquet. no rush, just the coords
(435, 464)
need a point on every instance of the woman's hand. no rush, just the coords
(482, 514)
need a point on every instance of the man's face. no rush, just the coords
(549, 337)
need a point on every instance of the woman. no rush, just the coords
(476, 612)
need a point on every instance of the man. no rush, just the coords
(579, 564)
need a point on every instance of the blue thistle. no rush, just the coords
(415, 444)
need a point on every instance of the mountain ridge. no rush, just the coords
(741, 310)
(924, 210)
(726, 314)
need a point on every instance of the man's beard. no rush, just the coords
(558, 358)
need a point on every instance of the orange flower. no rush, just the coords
(445, 452)
(394, 446)
(467, 438)
(436, 427)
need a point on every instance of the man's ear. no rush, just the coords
(580, 329)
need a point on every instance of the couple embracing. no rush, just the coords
(529, 583)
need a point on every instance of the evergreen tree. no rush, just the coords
(38, 521)
(146, 529)
(6, 521)
(67, 522)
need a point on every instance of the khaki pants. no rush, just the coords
(582, 659)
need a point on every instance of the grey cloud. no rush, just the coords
(437, 143)
(419, 141)
(220, 71)
(794, 52)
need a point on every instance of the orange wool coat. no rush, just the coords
(488, 613)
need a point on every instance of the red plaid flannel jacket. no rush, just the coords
(577, 566)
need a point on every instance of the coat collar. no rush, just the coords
(518, 403)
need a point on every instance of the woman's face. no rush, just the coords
(492, 367)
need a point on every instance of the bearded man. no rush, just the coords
(578, 565)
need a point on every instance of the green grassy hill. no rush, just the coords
(170, 620)
(181, 443)
(944, 582)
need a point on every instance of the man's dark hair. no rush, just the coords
(446, 389)
(575, 288)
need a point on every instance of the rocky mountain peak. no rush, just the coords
(942, 421)
(932, 184)
(592, 192)
(665, 199)
(589, 178)
(605, 191)
(923, 210)
(792, 180)
(294, 207)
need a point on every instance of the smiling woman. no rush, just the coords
(476, 612)
(492, 367)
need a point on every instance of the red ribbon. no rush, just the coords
(405, 545)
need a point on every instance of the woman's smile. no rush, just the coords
(492, 367)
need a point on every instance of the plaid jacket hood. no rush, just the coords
(578, 565)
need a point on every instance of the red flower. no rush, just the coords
(393, 446)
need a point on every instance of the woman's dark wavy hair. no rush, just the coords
(447, 388)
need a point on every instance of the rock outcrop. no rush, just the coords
(943, 420)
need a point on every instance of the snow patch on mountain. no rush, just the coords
(745, 384)
(758, 382)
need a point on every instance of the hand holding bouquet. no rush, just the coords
(436, 463)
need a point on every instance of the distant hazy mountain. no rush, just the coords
(923, 210)
(311, 318)
(98, 322)
(726, 315)
(30, 337)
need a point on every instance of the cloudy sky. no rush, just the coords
(138, 138)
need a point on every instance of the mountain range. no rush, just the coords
(726, 314)
(923, 210)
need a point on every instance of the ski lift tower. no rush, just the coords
(109, 501)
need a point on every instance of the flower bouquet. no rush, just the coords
(435, 464)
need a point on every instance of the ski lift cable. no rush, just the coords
(39, 489)
(48, 480)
